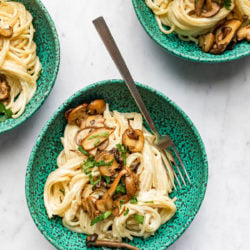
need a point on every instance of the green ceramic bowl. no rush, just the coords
(177, 47)
(169, 118)
(48, 50)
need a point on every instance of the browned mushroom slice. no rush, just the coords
(224, 35)
(215, 8)
(96, 107)
(6, 30)
(93, 242)
(107, 157)
(4, 89)
(77, 115)
(244, 33)
(103, 145)
(96, 137)
(131, 183)
(96, 121)
(81, 134)
(133, 139)
(206, 41)
(89, 206)
(105, 204)
(198, 6)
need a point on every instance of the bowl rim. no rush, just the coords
(179, 54)
(67, 102)
(54, 74)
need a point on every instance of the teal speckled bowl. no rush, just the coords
(177, 47)
(169, 118)
(48, 51)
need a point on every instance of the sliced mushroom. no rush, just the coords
(81, 134)
(96, 121)
(107, 157)
(104, 204)
(4, 88)
(214, 9)
(131, 183)
(198, 6)
(6, 30)
(103, 145)
(224, 35)
(89, 206)
(244, 33)
(96, 137)
(128, 139)
(77, 115)
(96, 107)
(93, 242)
(206, 41)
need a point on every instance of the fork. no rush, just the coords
(163, 142)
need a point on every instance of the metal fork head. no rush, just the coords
(166, 143)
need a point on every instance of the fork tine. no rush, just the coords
(167, 163)
(178, 169)
(181, 162)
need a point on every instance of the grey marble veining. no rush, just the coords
(216, 98)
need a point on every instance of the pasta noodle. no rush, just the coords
(68, 185)
(180, 16)
(18, 61)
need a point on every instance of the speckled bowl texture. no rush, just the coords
(48, 51)
(169, 118)
(177, 47)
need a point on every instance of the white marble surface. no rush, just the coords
(216, 97)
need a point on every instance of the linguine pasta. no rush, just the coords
(190, 21)
(19, 65)
(69, 186)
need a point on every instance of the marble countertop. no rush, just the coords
(215, 97)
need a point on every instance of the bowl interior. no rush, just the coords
(48, 51)
(186, 50)
(169, 119)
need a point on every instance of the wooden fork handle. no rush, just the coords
(114, 52)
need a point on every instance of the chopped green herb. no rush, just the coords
(80, 148)
(105, 134)
(122, 202)
(139, 218)
(62, 191)
(92, 182)
(101, 217)
(97, 142)
(134, 200)
(148, 201)
(103, 163)
(121, 189)
(123, 150)
(4, 113)
(107, 179)
(227, 4)
(127, 211)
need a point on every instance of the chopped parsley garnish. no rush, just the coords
(127, 211)
(134, 200)
(227, 4)
(107, 179)
(123, 150)
(92, 182)
(121, 189)
(105, 134)
(97, 142)
(62, 191)
(90, 163)
(139, 218)
(4, 113)
(122, 202)
(101, 217)
(148, 201)
(80, 148)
